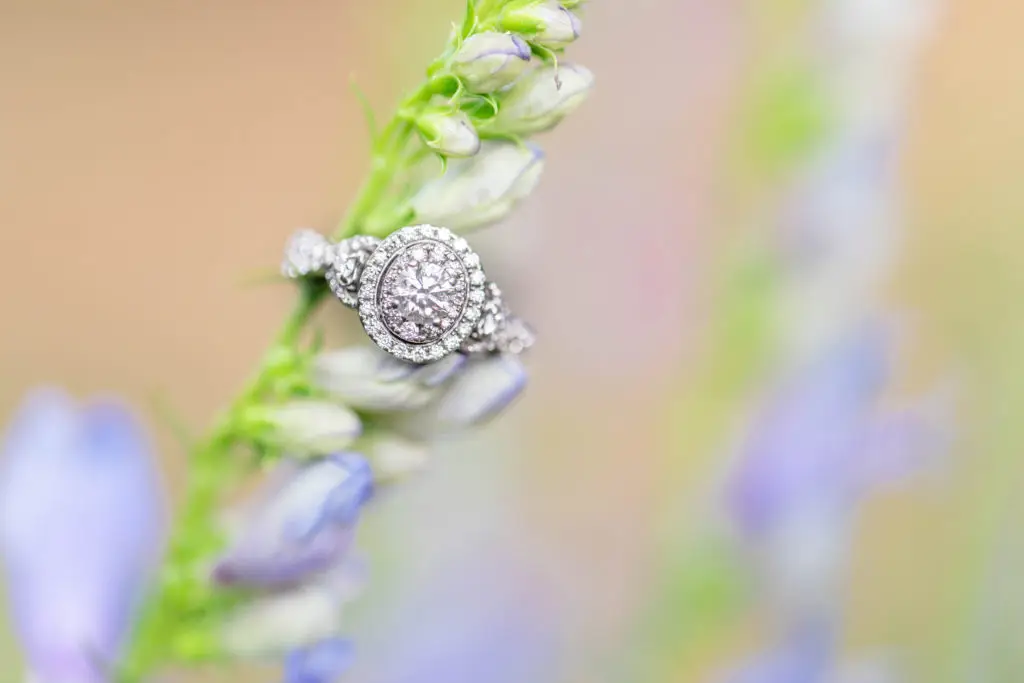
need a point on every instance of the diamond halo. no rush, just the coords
(420, 293)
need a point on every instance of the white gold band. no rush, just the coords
(420, 293)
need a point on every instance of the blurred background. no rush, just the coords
(155, 155)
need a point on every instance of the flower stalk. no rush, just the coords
(446, 116)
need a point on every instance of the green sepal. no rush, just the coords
(470, 21)
(544, 54)
(521, 22)
(446, 85)
(480, 108)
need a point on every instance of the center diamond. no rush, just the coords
(422, 292)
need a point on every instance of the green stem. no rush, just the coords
(183, 595)
(389, 161)
(180, 620)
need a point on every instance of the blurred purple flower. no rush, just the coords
(303, 522)
(81, 520)
(320, 663)
(410, 405)
(818, 447)
(483, 621)
(292, 549)
(806, 655)
(821, 443)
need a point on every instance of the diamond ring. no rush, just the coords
(420, 292)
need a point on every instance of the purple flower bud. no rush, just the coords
(80, 532)
(545, 22)
(483, 389)
(481, 190)
(489, 61)
(367, 378)
(303, 524)
(323, 662)
(542, 98)
(449, 133)
(308, 427)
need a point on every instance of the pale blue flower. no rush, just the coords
(303, 523)
(542, 98)
(292, 550)
(366, 378)
(483, 620)
(544, 22)
(306, 426)
(481, 390)
(821, 442)
(482, 189)
(806, 655)
(80, 532)
(451, 394)
(489, 61)
(820, 445)
(449, 133)
(320, 663)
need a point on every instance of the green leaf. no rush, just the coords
(469, 22)
(368, 115)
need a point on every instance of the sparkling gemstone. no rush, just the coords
(423, 292)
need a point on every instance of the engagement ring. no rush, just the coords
(420, 292)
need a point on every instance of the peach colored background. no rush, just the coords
(155, 154)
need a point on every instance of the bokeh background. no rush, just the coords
(154, 156)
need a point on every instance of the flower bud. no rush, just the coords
(489, 61)
(367, 378)
(449, 133)
(274, 624)
(394, 457)
(481, 391)
(546, 23)
(308, 427)
(481, 190)
(300, 525)
(542, 98)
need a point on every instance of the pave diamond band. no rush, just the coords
(420, 293)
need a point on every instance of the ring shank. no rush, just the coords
(310, 254)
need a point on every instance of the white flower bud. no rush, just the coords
(542, 98)
(449, 133)
(310, 427)
(546, 23)
(273, 624)
(369, 379)
(394, 457)
(481, 190)
(489, 61)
